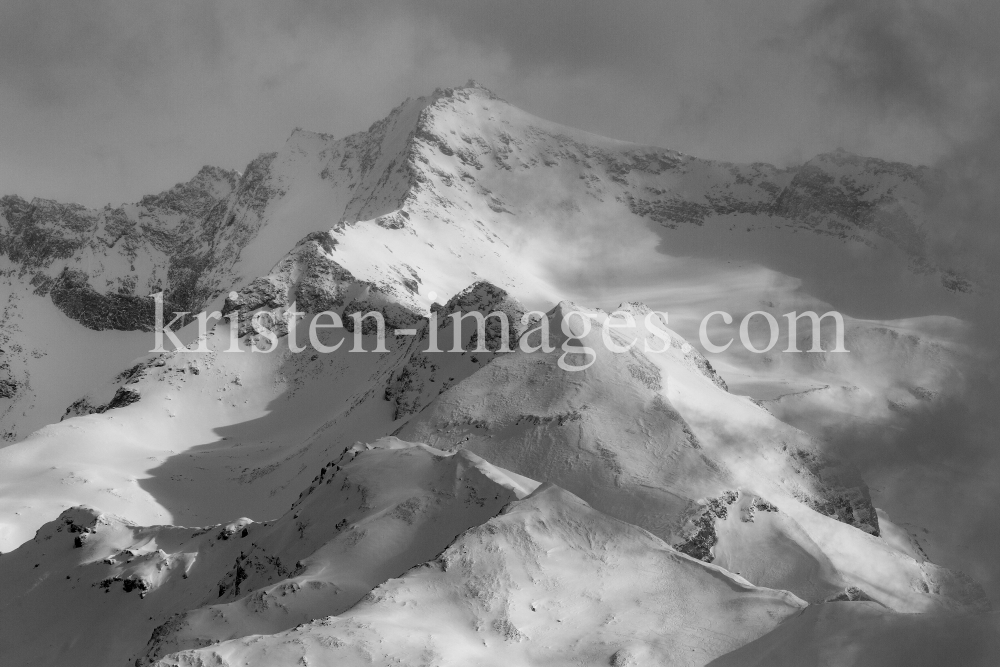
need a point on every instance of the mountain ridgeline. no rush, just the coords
(99, 266)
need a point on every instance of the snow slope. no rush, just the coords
(41, 361)
(550, 581)
(370, 514)
(652, 439)
(862, 634)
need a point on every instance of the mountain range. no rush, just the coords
(662, 506)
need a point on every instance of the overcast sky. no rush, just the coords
(106, 100)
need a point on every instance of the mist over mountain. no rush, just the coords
(667, 504)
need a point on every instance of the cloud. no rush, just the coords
(53, 51)
(934, 65)
(908, 61)
(894, 57)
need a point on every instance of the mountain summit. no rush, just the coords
(447, 189)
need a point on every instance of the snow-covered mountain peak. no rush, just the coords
(195, 197)
(494, 500)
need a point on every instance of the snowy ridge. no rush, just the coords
(542, 583)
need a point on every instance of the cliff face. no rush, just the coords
(99, 265)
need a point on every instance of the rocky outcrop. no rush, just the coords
(203, 192)
(39, 232)
(853, 594)
(7, 388)
(182, 242)
(485, 298)
(315, 282)
(842, 494)
(72, 294)
(849, 192)
(83, 405)
(836, 193)
(756, 504)
(700, 541)
(417, 383)
(124, 395)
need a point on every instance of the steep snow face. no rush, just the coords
(479, 159)
(648, 437)
(386, 511)
(550, 581)
(108, 586)
(862, 634)
(549, 213)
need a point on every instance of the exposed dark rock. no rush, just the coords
(955, 283)
(261, 293)
(255, 563)
(323, 283)
(837, 193)
(190, 224)
(73, 295)
(816, 195)
(705, 366)
(133, 583)
(756, 504)
(852, 594)
(485, 298)
(254, 190)
(406, 387)
(325, 241)
(669, 211)
(131, 375)
(843, 494)
(42, 231)
(699, 544)
(417, 383)
(7, 388)
(764, 506)
(122, 397)
(199, 195)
